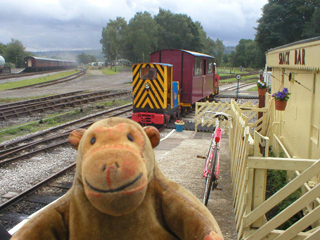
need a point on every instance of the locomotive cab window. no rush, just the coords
(210, 66)
(148, 73)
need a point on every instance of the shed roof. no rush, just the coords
(304, 55)
(295, 43)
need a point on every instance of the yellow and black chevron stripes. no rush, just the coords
(153, 96)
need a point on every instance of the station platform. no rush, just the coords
(177, 157)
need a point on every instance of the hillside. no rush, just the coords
(70, 55)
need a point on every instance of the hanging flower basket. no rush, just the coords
(280, 105)
(262, 91)
(280, 99)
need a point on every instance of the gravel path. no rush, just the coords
(92, 81)
(33, 170)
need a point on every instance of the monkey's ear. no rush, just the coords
(153, 134)
(75, 137)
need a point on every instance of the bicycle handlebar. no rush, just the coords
(220, 115)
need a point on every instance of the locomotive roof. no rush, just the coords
(196, 54)
(163, 64)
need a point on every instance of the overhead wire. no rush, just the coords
(289, 80)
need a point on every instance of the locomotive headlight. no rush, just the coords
(147, 86)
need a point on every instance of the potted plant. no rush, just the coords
(179, 125)
(281, 99)
(262, 87)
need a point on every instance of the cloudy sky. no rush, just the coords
(43, 25)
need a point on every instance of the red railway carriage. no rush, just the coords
(194, 71)
(41, 64)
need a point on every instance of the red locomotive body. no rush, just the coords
(194, 71)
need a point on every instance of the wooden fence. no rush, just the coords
(250, 161)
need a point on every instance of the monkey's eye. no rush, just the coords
(93, 140)
(130, 138)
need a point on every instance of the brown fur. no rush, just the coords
(119, 192)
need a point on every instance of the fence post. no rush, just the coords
(260, 180)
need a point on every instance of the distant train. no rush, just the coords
(2, 62)
(34, 64)
(170, 84)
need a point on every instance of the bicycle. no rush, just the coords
(212, 163)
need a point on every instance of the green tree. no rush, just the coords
(141, 38)
(219, 51)
(2, 49)
(312, 28)
(248, 54)
(286, 21)
(211, 47)
(15, 53)
(86, 58)
(177, 31)
(113, 38)
(144, 34)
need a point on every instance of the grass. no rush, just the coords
(22, 83)
(225, 71)
(276, 180)
(109, 71)
(53, 120)
(247, 79)
(20, 130)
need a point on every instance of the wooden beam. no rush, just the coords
(279, 163)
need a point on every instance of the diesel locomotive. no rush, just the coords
(34, 64)
(170, 84)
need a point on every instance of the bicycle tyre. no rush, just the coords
(209, 150)
(210, 178)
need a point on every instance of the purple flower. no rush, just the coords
(282, 95)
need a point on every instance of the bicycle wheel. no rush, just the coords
(211, 177)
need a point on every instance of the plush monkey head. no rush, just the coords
(115, 163)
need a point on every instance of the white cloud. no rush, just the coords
(73, 24)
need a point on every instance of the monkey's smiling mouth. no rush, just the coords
(117, 189)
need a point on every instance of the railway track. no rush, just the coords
(5, 76)
(56, 81)
(235, 87)
(31, 199)
(41, 105)
(234, 75)
(51, 138)
(22, 206)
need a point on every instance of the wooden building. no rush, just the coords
(296, 66)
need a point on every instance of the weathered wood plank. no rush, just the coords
(279, 163)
